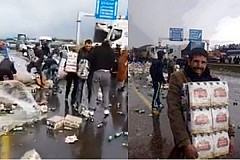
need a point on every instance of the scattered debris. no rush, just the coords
(55, 122)
(125, 145)
(118, 105)
(101, 124)
(110, 138)
(20, 128)
(43, 108)
(71, 139)
(53, 109)
(118, 134)
(150, 134)
(120, 112)
(125, 133)
(85, 112)
(235, 103)
(140, 111)
(32, 154)
(72, 121)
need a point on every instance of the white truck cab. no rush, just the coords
(116, 32)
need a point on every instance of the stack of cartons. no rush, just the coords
(58, 122)
(72, 121)
(208, 117)
(55, 122)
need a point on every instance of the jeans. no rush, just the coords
(71, 77)
(52, 75)
(156, 102)
(81, 83)
(100, 79)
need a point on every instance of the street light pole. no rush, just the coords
(78, 34)
(79, 20)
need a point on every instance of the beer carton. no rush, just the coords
(221, 143)
(204, 145)
(72, 121)
(220, 118)
(199, 94)
(55, 122)
(201, 121)
(219, 95)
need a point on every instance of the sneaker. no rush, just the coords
(106, 112)
(161, 106)
(156, 111)
(121, 89)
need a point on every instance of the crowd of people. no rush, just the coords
(97, 66)
(94, 66)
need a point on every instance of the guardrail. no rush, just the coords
(225, 67)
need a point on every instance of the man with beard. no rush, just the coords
(83, 70)
(196, 70)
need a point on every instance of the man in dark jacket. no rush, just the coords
(156, 72)
(195, 71)
(51, 66)
(102, 59)
(7, 69)
(84, 53)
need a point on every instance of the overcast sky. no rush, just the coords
(56, 18)
(150, 19)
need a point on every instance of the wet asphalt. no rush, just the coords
(151, 137)
(93, 141)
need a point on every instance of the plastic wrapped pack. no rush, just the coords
(55, 122)
(201, 121)
(17, 93)
(199, 94)
(219, 95)
(204, 145)
(220, 118)
(221, 143)
(32, 154)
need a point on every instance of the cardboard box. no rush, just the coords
(220, 93)
(72, 121)
(199, 94)
(55, 122)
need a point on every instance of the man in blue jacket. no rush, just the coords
(156, 73)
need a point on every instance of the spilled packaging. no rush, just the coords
(71, 139)
(204, 145)
(199, 94)
(55, 122)
(32, 154)
(221, 143)
(201, 121)
(219, 95)
(220, 118)
(72, 121)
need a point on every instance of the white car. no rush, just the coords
(67, 48)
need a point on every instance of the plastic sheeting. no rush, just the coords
(27, 109)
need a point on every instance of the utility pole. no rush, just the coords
(78, 34)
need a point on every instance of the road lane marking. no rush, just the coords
(143, 98)
(5, 148)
